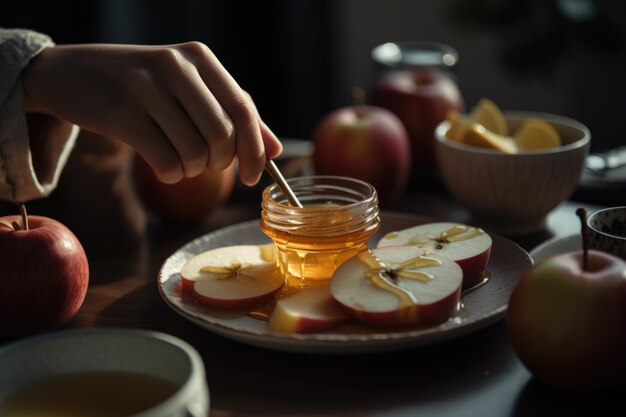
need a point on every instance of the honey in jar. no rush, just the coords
(338, 217)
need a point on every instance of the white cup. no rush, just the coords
(143, 352)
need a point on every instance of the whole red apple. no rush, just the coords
(187, 201)
(568, 324)
(421, 99)
(43, 275)
(364, 142)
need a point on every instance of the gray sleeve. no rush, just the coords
(22, 179)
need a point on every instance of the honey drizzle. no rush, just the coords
(460, 232)
(268, 253)
(262, 311)
(383, 281)
(383, 277)
(418, 262)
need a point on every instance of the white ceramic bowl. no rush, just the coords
(513, 193)
(111, 350)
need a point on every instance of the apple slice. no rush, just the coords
(536, 134)
(233, 276)
(395, 286)
(310, 310)
(468, 246)
(488, 114)
(459, 125)
(478, 135)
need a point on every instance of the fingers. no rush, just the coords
(273, 147)
(155, 147)
(210, 119)
(174, 122)
(249, 148)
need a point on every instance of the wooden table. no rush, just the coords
(476, 375)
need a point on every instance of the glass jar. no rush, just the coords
(418, 88)
(339, 216)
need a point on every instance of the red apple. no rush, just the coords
(568, 324)
(43, 275)
(468, 246)
(395, 286)
(364, 142)
(233, 276)
(310, 310)
(187, 201)
(421, 99)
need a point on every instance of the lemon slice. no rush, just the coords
(536, 134)
(478, 135)
(488, 114)
(458, 126)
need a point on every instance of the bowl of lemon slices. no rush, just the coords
(510, 169)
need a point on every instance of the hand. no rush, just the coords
(176, 105)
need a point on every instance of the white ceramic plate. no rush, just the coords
(556, 246)
(481, 307)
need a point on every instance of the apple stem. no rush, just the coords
(24, 216)
(582, 215)
(358, 99)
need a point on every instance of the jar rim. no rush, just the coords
(332, 182)
(332, 205)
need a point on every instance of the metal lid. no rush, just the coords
(412, 54)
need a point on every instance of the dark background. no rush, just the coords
(300, 58)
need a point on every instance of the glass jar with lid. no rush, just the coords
(417, 86)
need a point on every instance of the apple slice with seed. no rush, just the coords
(468, 246)
(233, 276)
(310, 310)
(395, 286)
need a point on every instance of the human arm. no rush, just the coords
(176, 105)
